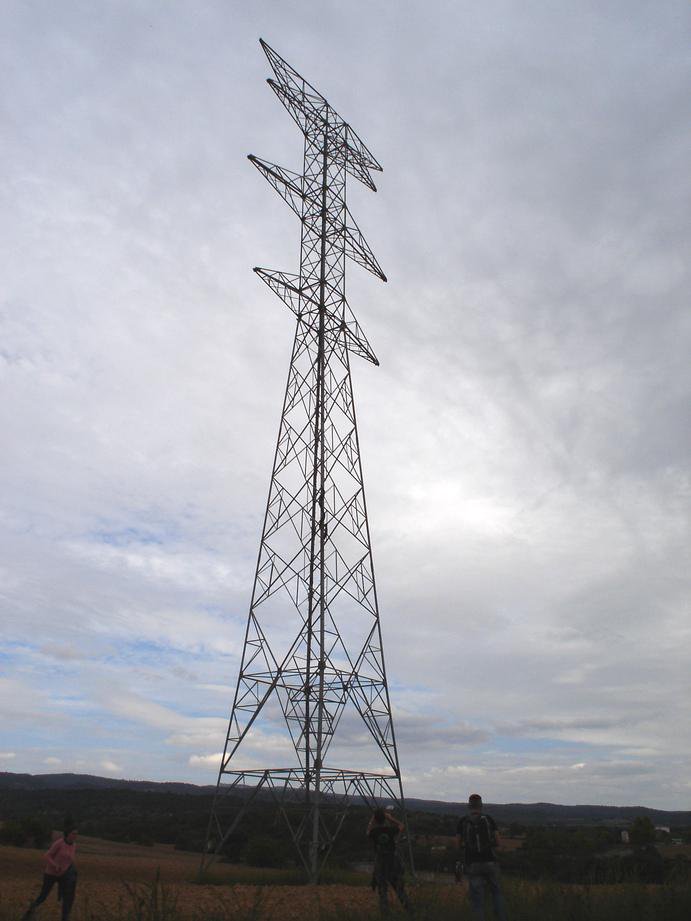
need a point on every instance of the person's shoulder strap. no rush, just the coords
(491, 826)
(468, 829)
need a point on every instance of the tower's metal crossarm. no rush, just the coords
(313, 657)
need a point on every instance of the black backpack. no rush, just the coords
(478, 836)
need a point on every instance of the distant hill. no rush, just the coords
(555, 814)
(505, 813)
(10, 781)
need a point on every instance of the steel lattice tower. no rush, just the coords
(313, 655)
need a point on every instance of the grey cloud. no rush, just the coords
(525, 440)
(555, 726)
(427, 731)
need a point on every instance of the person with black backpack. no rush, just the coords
(477, 837)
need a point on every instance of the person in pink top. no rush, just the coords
(59, 868)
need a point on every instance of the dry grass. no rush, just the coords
(119, 882)
(111, 875)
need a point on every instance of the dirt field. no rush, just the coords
(675, 850)
(109, 872)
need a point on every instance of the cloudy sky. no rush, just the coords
(525, 440)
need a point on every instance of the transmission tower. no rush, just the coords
(313, 661)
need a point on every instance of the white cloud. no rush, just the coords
(206, 761)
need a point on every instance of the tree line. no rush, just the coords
(583, 854)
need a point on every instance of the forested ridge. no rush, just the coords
(564, 843)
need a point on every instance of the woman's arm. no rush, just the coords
(55, 846)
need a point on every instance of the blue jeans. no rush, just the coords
(67, 886)
(483, 876)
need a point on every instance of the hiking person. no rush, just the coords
(383, 831)
(59, 868)
(477, 838)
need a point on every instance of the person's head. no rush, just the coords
(475, 802)
(70, 832)
(379, 816)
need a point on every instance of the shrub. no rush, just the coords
(12, 833)
(29, 832)
(264, 851)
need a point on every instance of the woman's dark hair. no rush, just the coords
(68, 825)
(379, 815)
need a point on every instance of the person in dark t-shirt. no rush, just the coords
(477, 838)
(383, 831)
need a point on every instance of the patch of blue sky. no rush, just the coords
(123, 537)
(272, 726)
(50, 670)
(45, 736)
(10, 651)
(64, 718)
(148, 652)
(141, 649)
(215, 699)
(123, 727)
(74, 702)
(422, 689)
(115, 745)
(167, 650)
(143, 526)
(155, 526)
(29, 663)
(517, 744)
(161, 654)
(220, 610)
